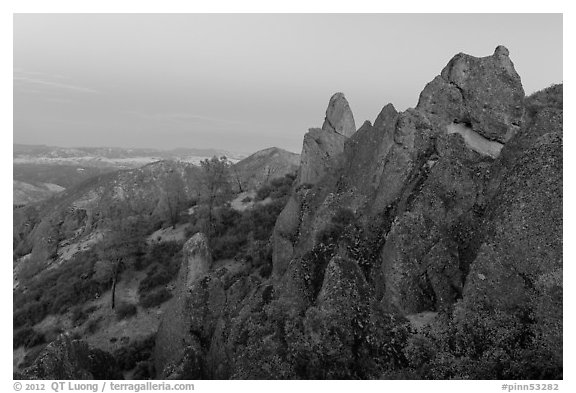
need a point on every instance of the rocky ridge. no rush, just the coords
(424, 221)
(425, 245)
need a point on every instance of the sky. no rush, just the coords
(244, 82)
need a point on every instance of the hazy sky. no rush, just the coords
(244, 82)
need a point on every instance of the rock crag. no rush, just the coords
(426, 223)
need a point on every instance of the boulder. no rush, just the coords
(486, 93)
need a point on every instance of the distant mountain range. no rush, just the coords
(40, 171)
(121, 158)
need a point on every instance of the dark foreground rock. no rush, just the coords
(66, 358)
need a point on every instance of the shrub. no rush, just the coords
(156, 276)
(263, 192)
(31, 355)
(483, 344)
(55, 291)
(130, 355)
(29, 314)
(276, 189)
(93, 325)
(78, 315)
(144, 370)
(155, 298)
(27, 337)
(234, 234)
(126, 310)
(550, 97)
(162, 254)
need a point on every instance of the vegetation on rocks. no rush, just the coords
(398, 251)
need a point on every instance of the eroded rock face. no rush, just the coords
(521, 258)
(197, 258)
(66, 358)
(434, 214)
(339, 117)
(485, 93)
(366, 151)
(322, 152)
(174, 340)
(319, 153)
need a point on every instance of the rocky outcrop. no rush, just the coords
(197, 258)
(322, 152)
(339, 117)
(520, 260)
(66, 358)
(322, 147)
(430, 190)
(485, 93)
(175, 341)
(319, 153)
(446, 217)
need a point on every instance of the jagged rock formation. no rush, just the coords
(425, 245)
(66, 358)
(339, 117)
(175, 340)
(485, 93)
(263, 166)
(425, 167)
(436, 216)
(321, 151)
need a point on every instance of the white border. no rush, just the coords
(245, 6)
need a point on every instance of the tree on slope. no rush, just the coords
(215, 188)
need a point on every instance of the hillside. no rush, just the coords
(46, 230)
(263, 166)
(424, 245)
(25, 193)
(155, 191)
(66, 167)
(65, 249)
